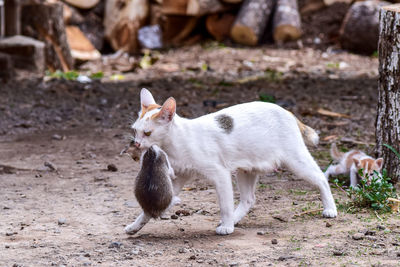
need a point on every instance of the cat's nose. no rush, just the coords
(137, 144)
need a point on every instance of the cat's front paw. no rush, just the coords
(175, 201)
(329, 213)
(224, 230)
(132, 229)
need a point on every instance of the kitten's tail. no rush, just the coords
(335, 153)
(310, 136)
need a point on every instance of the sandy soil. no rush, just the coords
(73, 211)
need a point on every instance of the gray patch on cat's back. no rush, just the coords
(225, 122)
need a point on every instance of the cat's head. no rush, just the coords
(154, 121)
(369, 166)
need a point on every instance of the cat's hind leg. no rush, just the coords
(301, 163)
(246, 182)
(138, 224)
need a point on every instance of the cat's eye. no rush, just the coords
(147, 133)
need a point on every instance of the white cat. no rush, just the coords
(251, 138)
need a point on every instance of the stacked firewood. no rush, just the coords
(245, 22)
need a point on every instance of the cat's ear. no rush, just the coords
(167, 111)
(379, 163)
(146, 98)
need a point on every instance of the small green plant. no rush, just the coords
(69, 75)
(372, 192)
(267, 98)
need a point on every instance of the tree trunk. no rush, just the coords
(13, 17)
(360, 28)
(47, 25)
(122, 21)
(286, 24)
(219, 25)
(251, 21)
(388, 118)
(202, 7)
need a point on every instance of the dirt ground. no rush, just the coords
(61, 206)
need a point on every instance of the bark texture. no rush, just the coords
(360, 28)
(13, 17)
(219, 25)
(174, 7)
(287, 25)
(251, 21)
(48, 26)
(388, 118)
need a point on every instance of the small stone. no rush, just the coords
(358, 236)
(50, 165)
(7, 246)
(200, 261)
(274, 241)
(186, 241)
(398, 254)
(338, 252)
(9, 233)
(182, 212)
(174, 216)
(115, 244)
(57, 137)
(62, 221)
(328, 224)
(294, 203)
(233, 264)
(261, 233)
(285, 257)
(6, 208)
(193, 257)
(371, 238)
(370, 232)
(183, 250)
(277, 197)
(135, 252)
(87, 255)
(112, 168)
(381, 227)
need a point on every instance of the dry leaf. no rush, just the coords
(331, 113)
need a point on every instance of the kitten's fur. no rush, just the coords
(251, 139)
(351, 162)
(153, 185)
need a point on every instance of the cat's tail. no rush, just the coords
(310, 136)
(335, 153)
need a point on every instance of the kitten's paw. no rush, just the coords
(132, 229)
(224, 230)
(329, 213)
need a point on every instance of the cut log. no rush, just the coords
(123, 19)
(251, 21)
(47, 25)
(184, 31)
(202, 7)
(286, 21)
(72, 16)
(388, 117)
(219, 25)
(312, 6)
(360, 28)
(174, 7)
(83, 4)
(12, 17)
(81, 47)
(26, 53)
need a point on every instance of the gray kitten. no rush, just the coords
(153, 186)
